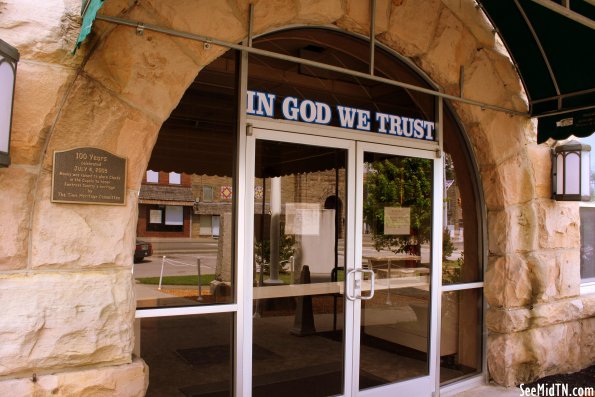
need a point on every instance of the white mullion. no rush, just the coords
(356, 306)
(462, 287)
(436, 290)
(242, 248)
(247, 296)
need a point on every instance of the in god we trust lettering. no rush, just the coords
(310, 111)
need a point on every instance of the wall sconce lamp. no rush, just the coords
(9, 56)
(571, 169)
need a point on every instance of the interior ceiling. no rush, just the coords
(199, 137)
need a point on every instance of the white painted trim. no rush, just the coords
(341, 133)
(185, 311)
(462, 287)
(587, 288)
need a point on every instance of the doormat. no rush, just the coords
(313, 381)
(218, 354)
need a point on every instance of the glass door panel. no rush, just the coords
(300, 196)
(396, 245)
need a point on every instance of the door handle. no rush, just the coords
(357, 285)
(372, 279)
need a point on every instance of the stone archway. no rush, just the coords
(125, 85)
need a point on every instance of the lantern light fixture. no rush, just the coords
(9, 57)
(571, 172)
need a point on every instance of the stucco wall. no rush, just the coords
(119, 88)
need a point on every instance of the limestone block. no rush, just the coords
(151, 77)
(357, 16)
(15, 213)
(554, 274)
(556, 348)
(109, 124)
(559, 224)
(506, 73)
(509, 360)
(270, 14)
(505, 136)
(79, 235)
(42, 31)
(119, 8)
(587, 342)
(588, 305)
(222, 20)
(319, 12)
(507, 282)
(452, 47)
(541, 167)
(556, 312)
(508, 183)
(474, 19)
(534, 316)
(513, 229)
(483, 84)
(479, 144)
(128, 380)
(523, 357)
(71, 319)
(39, 91)
(504, 321)
(412, 26)
(211, 18)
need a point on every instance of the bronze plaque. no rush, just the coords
(89, 175)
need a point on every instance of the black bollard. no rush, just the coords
(303, 323)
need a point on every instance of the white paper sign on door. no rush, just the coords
(397, 221)
(302, 219)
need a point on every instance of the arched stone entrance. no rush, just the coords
(118, 91)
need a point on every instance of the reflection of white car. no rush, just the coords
(142, 250)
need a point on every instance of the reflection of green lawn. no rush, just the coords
(205, 279)
(451, 271)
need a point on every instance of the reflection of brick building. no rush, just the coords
(165, 205)
(213, 196)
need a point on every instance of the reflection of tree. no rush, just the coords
(400, 182)
(262, 252)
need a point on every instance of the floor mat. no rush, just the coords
(313, 381)
(219, 354)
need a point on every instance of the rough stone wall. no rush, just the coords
(118, 89)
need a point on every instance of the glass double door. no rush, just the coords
(341, 247)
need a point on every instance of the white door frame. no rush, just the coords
(337, 138)
(413, 386)
(247, 298)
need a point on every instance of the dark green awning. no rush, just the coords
(555, 56)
